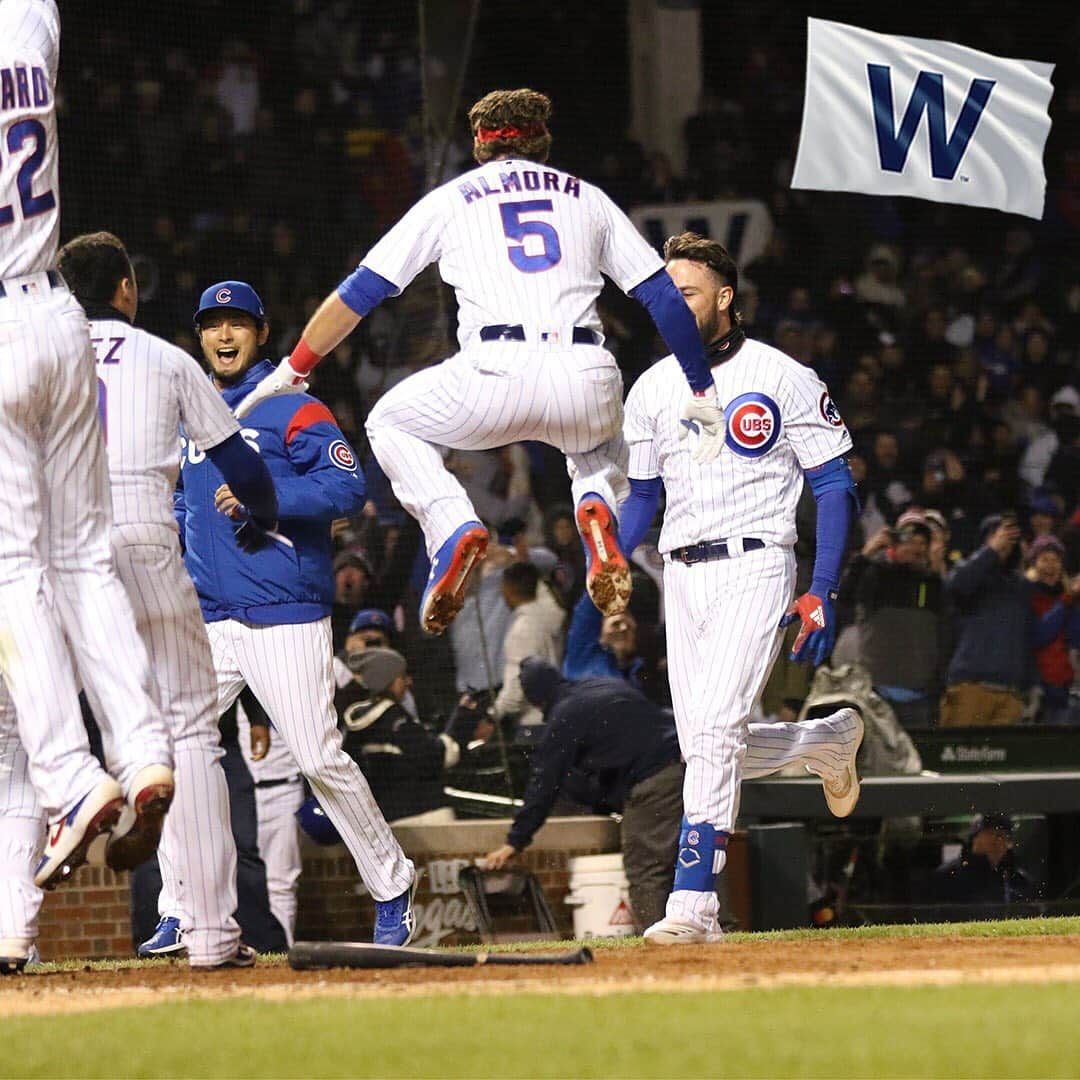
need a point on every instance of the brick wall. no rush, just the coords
(89, 916)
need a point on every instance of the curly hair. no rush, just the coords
(710, 253)
(526, 110)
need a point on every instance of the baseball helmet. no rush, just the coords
(231, 295)
(313, 820)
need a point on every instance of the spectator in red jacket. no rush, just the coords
(1056, 603)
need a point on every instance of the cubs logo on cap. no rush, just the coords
(829, 412)
(753, 424)
(231, 296)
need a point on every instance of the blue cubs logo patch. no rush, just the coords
(753, 424)
(829, 412)
(342, 456)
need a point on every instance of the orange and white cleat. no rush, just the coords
(608, 575)
(451, 568)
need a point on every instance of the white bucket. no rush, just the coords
(600, 896)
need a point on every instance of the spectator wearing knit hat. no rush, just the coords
(401, 759)
(1056, 604)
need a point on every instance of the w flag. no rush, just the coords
(891, 115)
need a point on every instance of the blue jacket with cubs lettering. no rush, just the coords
(317, 478)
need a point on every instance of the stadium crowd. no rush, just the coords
(949, 340)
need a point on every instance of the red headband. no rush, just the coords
(509, 132)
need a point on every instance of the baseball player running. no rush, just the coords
(56, 573)
(729, 569)
(524, 246)
(268, 609)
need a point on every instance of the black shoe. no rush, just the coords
(244, 957)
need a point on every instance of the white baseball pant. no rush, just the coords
(22, 832)
(289, 668)
(197, 854)
(490, 395)
(723, 637)
(279, 793)
(56, 570)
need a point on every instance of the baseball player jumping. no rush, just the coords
(729, 573)
(56, 573)
(267, 609)
(524, 246)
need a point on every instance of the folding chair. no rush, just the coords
(510, 893)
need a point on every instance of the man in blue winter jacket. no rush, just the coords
(266, 594)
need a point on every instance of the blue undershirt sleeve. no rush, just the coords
(677, 327)
(364, 290)
(834, 489)
(636, 515)
(247, 476)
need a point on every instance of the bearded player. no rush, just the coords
(524, 246)
(729, 573)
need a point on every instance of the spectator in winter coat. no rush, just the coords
(400, 758)
(992, 666)
(1056, 604)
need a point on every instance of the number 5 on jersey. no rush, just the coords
(520, 231)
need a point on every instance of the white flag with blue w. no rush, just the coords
(890, 115)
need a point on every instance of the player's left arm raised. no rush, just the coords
(820, 441)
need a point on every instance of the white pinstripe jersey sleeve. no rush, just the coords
(412, 244)
(207, 420)
(29, 157)
(812, 422)
(626, 256)
(639, 429)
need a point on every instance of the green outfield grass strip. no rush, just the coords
(1001, 928)
(970, 1031)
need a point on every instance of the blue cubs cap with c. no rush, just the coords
(231, 295)
(368, 618)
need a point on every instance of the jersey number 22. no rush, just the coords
(32, 204)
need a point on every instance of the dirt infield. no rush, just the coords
(824, 960)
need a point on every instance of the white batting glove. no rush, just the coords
(280, 382)
(702, 414)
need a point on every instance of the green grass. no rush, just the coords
(984, 1031)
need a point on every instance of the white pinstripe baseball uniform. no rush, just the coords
(147, 387)
(56, 571)
(524, 245)
(279, 793)
(722, 615)
(22, 831)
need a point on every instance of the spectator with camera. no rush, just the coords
(899, 603)
(992, 665)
